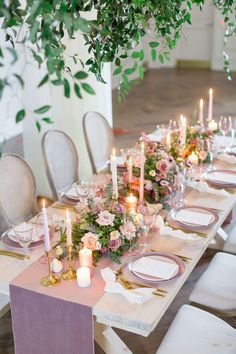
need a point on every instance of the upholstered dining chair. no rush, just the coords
(17, 199)
(216, 288)
(17, 190)
(99, 140)
(61, 160)
(195, 331)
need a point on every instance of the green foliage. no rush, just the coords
(42, 25)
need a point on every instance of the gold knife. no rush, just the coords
(13, 254)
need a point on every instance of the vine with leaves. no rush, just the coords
(42, 27)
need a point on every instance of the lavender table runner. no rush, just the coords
(53, 320)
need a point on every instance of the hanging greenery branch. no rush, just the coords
(42, 27)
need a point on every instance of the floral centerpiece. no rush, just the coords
(101, 226)
(160, 175)
(196, 142)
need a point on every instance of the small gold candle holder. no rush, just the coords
(70, 274)
(51, 279)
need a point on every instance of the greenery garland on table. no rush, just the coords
(41, 26)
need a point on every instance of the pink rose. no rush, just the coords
(114, 244)
(104, 250)
(163, 166)
(128, 230)
(105, 218)
(164, 183)
(90, 241)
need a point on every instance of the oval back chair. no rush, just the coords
(99, 140)
(17, 189)
(61, 160)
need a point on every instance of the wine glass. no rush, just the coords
(24, 234)
(212, 148)
(202, 154)
(233, 129)
(173, 125)
(147, 217)
(82, 189)
(225, 125)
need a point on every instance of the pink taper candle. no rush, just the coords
(45, 227)
(142, 161)
(210, 107)
(201, 103)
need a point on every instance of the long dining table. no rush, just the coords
(108, 310)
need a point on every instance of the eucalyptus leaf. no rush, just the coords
(42, 109)
(86, 87)
(20, 115)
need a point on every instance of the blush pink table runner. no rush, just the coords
(55, 320)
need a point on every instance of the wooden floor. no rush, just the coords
(164, 94)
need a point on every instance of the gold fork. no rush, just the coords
(130, 286)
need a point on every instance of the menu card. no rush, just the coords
(193, 217)
(222, 177)
(155, 268)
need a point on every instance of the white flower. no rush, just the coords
(152, 173)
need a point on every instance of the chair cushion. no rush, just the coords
(216, 288)
(195, 331)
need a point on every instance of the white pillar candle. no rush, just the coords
(193, 158)
(212, 125)
(45, 228)
(131, 203)
(130, 169)
(68, 229)
(168, 141)
(201, 103)
(210, 106)
(142, 161)
(86, 257)
(114, 174)
(83, 277)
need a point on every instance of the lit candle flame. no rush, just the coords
(210, 92)
(43, 203)
(67, 214)
(113, 152)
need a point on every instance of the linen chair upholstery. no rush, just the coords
(195, 331)
(216, 288)
(17, 190)
(61, 160)
(99, 140)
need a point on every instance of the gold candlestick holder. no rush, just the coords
(51, 279)
(70, 274)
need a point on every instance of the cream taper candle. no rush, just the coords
(114, 174)
(45, 228)
(68, 229)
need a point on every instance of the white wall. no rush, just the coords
(11, 100)
(66, 113)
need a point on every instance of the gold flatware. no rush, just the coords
(201, 234)
(119, 270)
(13, 254)
(62, 206)
(131, 285)
(184, 258)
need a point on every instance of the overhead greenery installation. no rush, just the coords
(42, 28)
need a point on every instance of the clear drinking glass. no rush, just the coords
(182, 185)
(24, 234)
(225, 125)
(212, 148)
(147, 217)
(233, 130)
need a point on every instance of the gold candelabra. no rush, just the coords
(70, 274)
(51, 279)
